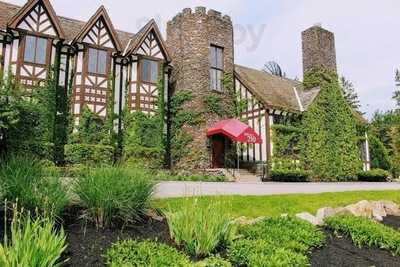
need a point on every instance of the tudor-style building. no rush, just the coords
(199, 50)
(93, 54)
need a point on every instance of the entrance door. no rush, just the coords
(218, 151)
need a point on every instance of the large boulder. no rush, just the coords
(309, 218)
(361, 209)
(378, 210)
(390, 207)
(324, 213)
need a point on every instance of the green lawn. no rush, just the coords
(257, 206)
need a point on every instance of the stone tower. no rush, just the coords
(190, 37)
(318, 49)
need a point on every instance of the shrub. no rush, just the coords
(33, 185)
(290, 176)
(376, 175)
(214, 261)
(380, 158)
(165, 176)
(365, 232)
(32, 243)
(134, 253)
(200, 227)
(275, 242)
(89, 154)
(114, 193)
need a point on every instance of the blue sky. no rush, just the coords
(366, 31)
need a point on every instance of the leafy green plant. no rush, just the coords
(33, 185)
(375, 175)
(380, 158)
(113, 193)
(146, 253)
(329, 141)
(278, 175)
(201, 227)
(275, 242)
(89, 154)
(33, 242)
(214, 261)
(365, 232)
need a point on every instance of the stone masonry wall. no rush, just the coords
(318, 49)
(189, 36)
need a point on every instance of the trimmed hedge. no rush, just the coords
(290, 176)
(375, 175)
(146, 253)
(40, 150)
(89, 154)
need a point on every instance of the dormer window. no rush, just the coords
(35, 50)
(150, 71)
(97, 61)
(217, 67)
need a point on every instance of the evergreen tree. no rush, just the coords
(349, 93)
(329, 142)
(396, 95)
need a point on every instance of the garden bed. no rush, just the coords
(87, 245)
(341, 251)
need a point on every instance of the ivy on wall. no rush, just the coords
(329, 141)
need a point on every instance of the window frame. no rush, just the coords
(215, 69)
(35, 50)
(151, 60)
(98, 52)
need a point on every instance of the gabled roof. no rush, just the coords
(101, 13)
(24, 11)
(275, 92)
(71, 27)
(136, 42)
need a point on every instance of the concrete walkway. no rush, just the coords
(182, 189)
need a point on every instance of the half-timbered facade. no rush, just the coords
(92, 57)
(98, 63)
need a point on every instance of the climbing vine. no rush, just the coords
(329, 141)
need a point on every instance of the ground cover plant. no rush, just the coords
(145, 253)
(282, 241)
(33, 242)
(35, 186)
(365, 232)
(110, 194)
(200, 226)
(257, 206)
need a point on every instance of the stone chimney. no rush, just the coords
(318, 49)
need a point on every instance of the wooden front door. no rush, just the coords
(218, 152)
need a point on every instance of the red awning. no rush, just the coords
(235, 130)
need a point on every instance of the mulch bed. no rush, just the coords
(87, 245)
(340, 251)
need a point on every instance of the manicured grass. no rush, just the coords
(257, 206)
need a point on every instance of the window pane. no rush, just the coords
(213, 58)
(41, 49)
(29, 55)
(220, 58)
(102, 62)
(145, 70)
(213, 79)
(219, 81)
(92, 62)
(154, 71)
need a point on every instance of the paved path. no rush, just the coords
(181, 189)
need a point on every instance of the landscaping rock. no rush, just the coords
(342, 211)
(324, 213)
(378, 210)
(309, 218)
(391, 208)
(247, 221)
(361, 209)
